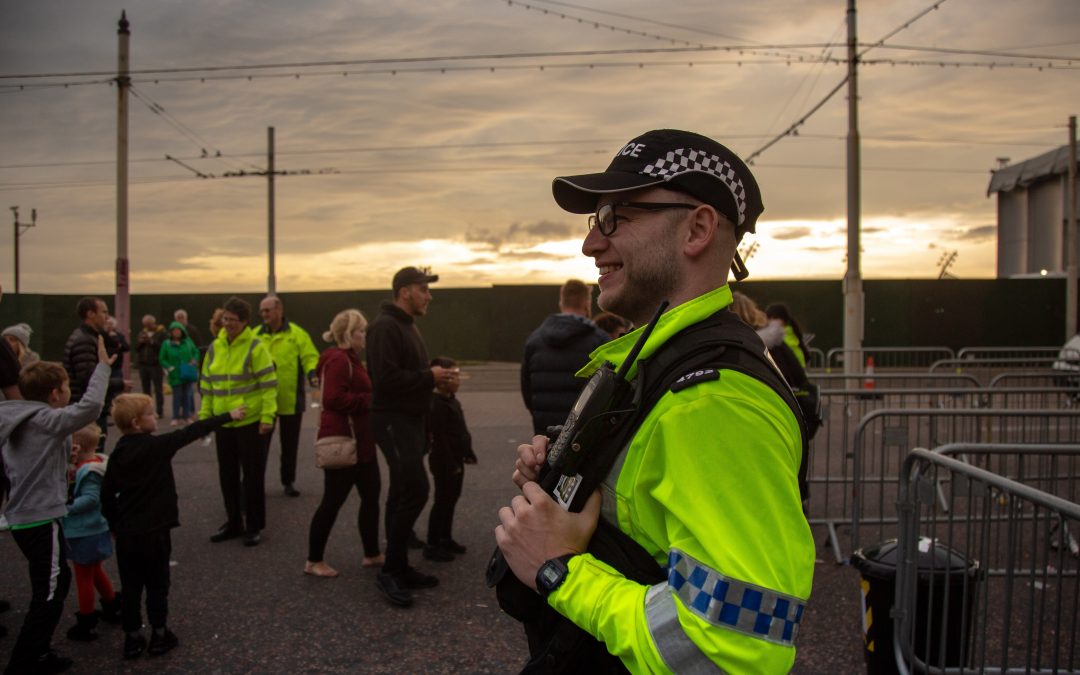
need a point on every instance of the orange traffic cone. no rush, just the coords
(868, 380)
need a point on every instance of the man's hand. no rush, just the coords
(534, 529)
(265, 428)
(102, 353)
(442, 375)
(238, 414)
(530, 459)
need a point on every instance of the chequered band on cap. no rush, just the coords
(682, 160)
(736, 605)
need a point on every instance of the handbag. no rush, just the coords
(336, 452)
(188, 372)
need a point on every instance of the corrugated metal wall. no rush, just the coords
(492, 323)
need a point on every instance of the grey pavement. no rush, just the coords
(252, 610)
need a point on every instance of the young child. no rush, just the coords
(139, 500)
(87, 532)
(35, 440)
(450, 450)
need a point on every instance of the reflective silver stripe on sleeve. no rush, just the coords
(269, 384)
(216, 378)
(265, 371)
(679, 652)
(732, 604)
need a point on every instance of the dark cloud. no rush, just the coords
(530, 233)
(974, 234)
(788, 233)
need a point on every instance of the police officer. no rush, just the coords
(707, 485)
(295, 359)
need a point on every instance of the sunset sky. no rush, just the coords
(403, 152)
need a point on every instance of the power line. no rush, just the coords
(603, 143)
(802, 120)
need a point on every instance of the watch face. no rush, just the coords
(549, 576)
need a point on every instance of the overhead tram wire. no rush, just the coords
(793, 128)
(9, 187)
(598, 142)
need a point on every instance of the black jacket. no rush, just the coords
(398, 363)
(80, 358)
(450, 440)
(138, 494)
(553, 353)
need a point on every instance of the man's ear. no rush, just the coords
(702, 230)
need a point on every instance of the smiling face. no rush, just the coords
(233, 325)
(640, 263)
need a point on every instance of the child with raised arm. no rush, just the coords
(87, 532)
(35, 440)
(139, 500)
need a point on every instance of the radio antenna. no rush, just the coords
(636, 349)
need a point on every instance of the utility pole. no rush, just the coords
(123, 83)
(19, 228)
(853, 290)
(271, 280)
(1070, 236)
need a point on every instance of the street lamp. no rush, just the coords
(19, 229)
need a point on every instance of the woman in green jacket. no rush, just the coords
(179, 358)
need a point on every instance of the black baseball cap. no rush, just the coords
(676, 160)
(407, 276)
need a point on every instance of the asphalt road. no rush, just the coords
(252, 610)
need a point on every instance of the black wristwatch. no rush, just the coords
(552, 574)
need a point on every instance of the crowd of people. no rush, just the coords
(69, 501)
(649, 557)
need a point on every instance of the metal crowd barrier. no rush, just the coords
(894, 380)
(815, 359)
(987, 567)
(884, 437)
(1016, 352)
(992, 366)
(888, 357)
(830, 470)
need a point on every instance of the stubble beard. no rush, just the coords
(649, 278)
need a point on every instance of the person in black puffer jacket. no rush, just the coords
(554, 352)
(80, 352)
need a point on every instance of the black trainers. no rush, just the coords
(389, 586)
(437, 553)
(291, 491)
(225, 533)
(159, 644)
(252, 539)
(51, 662)
(134, 645)
(83, 630)
(413, 578)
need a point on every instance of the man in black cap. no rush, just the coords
(402, 380)
(705, 489)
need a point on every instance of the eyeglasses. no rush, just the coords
(607, 221)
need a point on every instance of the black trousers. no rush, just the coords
(152, 377)
(241, 455)
(403, 441)
(336, 486)
(143, 560)
(448, 476)
(45, 550)
(290, 441)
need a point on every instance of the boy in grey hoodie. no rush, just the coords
(35, 443)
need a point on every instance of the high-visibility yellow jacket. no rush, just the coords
(709, 487)
(295, 358)
(238, 373)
